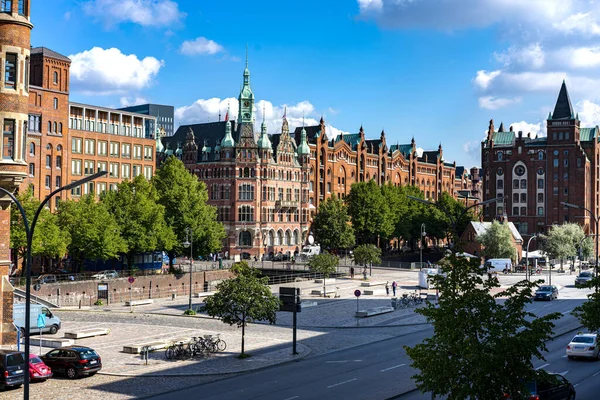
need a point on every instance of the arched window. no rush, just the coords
(49, 126)
(55, 80)
(60, 127)
(55, 125)
(245, 238)
(288, 238)
(32, 149)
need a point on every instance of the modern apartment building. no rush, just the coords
(164, 116)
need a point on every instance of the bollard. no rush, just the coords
(80, 304)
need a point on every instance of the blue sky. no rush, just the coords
(437, 70)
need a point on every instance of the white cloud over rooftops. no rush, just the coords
(200, 46)
(156, 13)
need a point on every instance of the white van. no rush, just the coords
(52, 321)
(309, 251)
(498, 265)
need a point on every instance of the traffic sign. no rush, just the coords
(357, 293)
(131, 279)
(41, 321)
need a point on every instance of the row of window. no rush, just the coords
(116, 149)
(115, 170)
(6, 6)
(103, 127)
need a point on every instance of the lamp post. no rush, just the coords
(597, 220)
(29, 230)
(423, 233)
(527, 255)
(186, 244)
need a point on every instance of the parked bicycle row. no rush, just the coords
(199, 347)
(409, 300)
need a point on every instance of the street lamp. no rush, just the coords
(527, 255)
(186, 244)
(571, 205)
(423, 233)
(29, 230)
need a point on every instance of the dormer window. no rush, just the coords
(500, 156)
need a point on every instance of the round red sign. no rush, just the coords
(357, 293)
(131, 279)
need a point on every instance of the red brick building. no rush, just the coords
(533, 175)
(267, 187)
(15, 38)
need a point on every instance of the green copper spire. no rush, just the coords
(264, 142)
(228, 139)
(303, 149)
(246, 98)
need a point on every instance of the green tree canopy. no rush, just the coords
(49, 240)
(497, 242)
(184, 199)
(95, 234)
(139, 216)
(243, 299)
(480, 348)
(332, 226)
(325, 264)
(563, 240)
(367, 254)
(370, 212)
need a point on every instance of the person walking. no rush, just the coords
(394, 285)
(387, 288)
(351, 272)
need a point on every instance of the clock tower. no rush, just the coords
(246, 109)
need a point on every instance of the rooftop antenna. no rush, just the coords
(246, 55)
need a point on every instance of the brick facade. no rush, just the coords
(533, 175)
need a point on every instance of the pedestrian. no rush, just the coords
(428, 264)
(394, 285)
(351, 272)
(365, 273)
(387, 288)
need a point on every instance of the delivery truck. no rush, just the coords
(52, 321)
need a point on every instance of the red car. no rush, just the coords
(38, 371)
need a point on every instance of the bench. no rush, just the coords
(369, 284)
(328, 280)
(374, 311)
(367, 292)
(152, 346)
(51, 342)
(86, 333)
(203, 294)
(306, 304)
(139, 302)
(319, 292)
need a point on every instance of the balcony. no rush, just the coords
(281, 204)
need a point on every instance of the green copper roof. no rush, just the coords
(303, 148)
(404, 149)
(228, 139)
(588, 134)
(501, 138)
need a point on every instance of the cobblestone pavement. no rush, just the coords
(328, 326)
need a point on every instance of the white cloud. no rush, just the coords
(367, 5)
(531, 55)
(589, 113)
(200, 45)
(132, 101)
(109, 71)
(494, 103)
(484, 78)
(143, 12)
(526, 128)
(579, 23)
(582, 57)
(473, 149)
(204, 110)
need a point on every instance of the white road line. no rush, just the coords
(565, 356)
(566, 312)
(341, 383)
(542, 366)
(575, 385)
(292, 398)
(395, 366)
(596, 373)
(533, 309)
(547, 305)
(563, 373)
(341, 361)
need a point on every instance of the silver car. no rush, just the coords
(584, 345)
(108, 274)
(583, 278)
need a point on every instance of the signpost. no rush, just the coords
(131, 280)
(290, 301)
(41, 324)
(357, 294)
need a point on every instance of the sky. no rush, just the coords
(435, 70)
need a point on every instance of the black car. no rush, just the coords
(583, 278)
(546, 292)
(547, 386)
(73, 361)
(12, 368)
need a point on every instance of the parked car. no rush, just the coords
(108, 274)
(546, 292)
(584, 345)
(583, 278)
(12, 368)
(38, 371)
(46, 278)
(547, 386)
(73, 361)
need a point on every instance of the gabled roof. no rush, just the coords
(311, 133)
(46, 52)
(352, 139)
(503, 138)
(459, 172)
(482, 227)
(208, 134)
(431, 156)
(563, 108)
(588, 134)
(404, 149)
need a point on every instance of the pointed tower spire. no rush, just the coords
(285, 128)
(563, 108)
(264, 142)
(501, 128)
(303, 148)
(228, 139)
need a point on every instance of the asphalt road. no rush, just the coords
(381, 370)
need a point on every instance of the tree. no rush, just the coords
(243, 299)
(369, 212)
(325, 264)
(332, 226)
(410, 215)
(588, 313)
(139, 217)
(366, 254)
(49, 240)
(184, 199)
(497, 242)
(480, 348)
(562, 241)
(95, 234)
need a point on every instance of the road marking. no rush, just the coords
(596, 373)
(547, 305)
(565, 356)
(542, 366)
(575, 385)
(341, 383)
(566, 312)
(291, 398)
(341, 361)
(395, 366)
(563, 373)
(533, 309)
